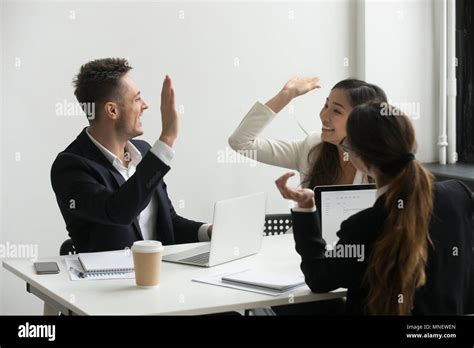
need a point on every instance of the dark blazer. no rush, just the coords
(100, 208)
(447, 289)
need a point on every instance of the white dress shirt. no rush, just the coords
(147, 218)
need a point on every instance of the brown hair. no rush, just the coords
(397, 261)
(326, 169)
(98, 82)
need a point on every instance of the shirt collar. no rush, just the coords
(135, 154)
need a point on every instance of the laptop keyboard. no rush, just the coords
(200, 258)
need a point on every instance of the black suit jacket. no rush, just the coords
(448, 287)
(100, 208)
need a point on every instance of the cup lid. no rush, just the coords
(147, 246)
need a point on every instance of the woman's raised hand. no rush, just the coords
(299, 86)
(292, 89)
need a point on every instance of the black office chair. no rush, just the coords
(67, 248)
(277, 224)
(470, 304)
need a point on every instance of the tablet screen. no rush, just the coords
(336, 206)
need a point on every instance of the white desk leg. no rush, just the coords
(48, 310)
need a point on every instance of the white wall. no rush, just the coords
(1, 148)
(272, 41)
(402, 56)
(199, 52)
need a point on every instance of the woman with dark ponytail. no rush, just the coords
(417, 237)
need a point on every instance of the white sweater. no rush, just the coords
(287, 154)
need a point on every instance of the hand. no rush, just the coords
(297, 86)
(303, 196)
(292, 89)
(209, 232)
(169, 115)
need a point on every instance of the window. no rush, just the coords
(465, 80)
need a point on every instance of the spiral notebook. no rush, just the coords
(106, 262)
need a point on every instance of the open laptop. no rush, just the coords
(336, 203)
(237, 232)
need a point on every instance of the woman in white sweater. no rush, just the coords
(317, 158)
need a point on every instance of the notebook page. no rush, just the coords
(106, 261)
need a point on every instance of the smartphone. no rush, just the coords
(46, 267)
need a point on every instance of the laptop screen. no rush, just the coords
(337, 203)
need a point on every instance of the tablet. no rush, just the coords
(336, 203)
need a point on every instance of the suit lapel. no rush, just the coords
(92, 152)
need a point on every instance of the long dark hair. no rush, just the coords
(326, 168)
(384, 137)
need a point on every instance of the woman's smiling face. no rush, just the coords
(334, 116)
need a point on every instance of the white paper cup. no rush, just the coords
(147, 262)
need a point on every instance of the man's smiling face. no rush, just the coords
(131, 107)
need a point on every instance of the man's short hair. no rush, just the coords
(98, 82)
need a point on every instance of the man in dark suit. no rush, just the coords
(110, 188)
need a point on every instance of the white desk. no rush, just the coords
(177, 294)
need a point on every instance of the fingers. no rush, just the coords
(172, 95)
(166, 83)
(169, 116)
(303, 196)
(308, 83)
(284, 178)
(167, 93)
(167, 86)
(280, 183)
(314, 82)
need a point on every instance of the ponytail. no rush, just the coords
(396, 266)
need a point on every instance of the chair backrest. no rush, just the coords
(67, 248)
(277, 224)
